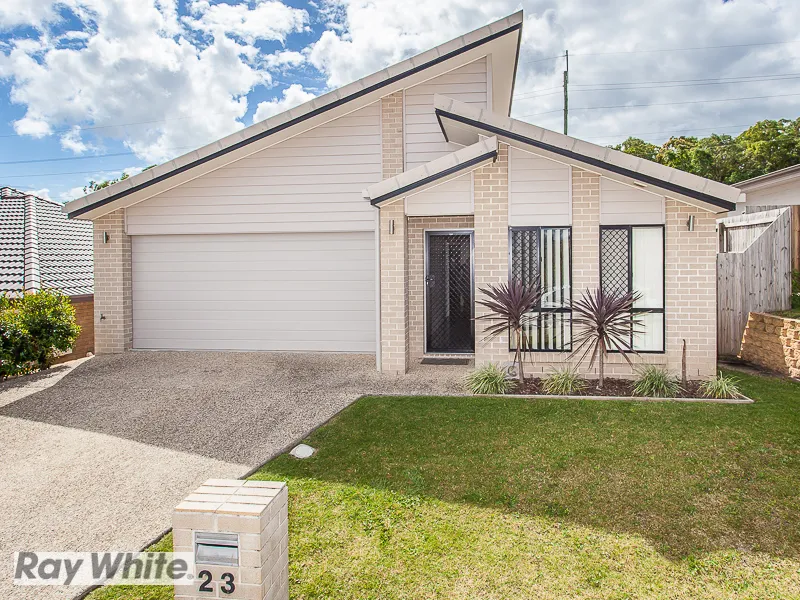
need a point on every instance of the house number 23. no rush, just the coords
(205, 585)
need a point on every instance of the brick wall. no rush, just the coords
(393, 251)
(112, 285)
(491, 247)
(84, 315)
(416, 273)
(772, 343)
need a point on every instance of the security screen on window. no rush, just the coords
(632, 259)
(543, 255)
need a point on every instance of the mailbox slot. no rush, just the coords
(216, 548)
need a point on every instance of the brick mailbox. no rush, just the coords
(238, 533)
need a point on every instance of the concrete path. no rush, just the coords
(95, 454)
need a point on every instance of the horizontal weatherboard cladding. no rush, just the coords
(588, 160)
(318, 111)
(424, 140)
(320, 191)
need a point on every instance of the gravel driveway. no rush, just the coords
(96, 456)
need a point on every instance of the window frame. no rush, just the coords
(663, 310)
(563, 310)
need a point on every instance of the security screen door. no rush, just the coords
(448, 293)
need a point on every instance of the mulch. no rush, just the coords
(611, 387)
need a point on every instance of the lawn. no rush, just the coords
(513, 498)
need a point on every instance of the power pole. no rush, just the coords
(566, 93)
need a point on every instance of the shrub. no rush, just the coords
(721, 386)
(796, 290)
(489, 379)
(34, 329)
(656, 382)
(564, 382)
(604, 321)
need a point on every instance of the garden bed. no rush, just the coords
(611, 387)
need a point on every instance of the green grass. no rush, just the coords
(512, 498)
(789, 314)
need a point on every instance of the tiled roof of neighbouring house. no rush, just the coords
(41, 248)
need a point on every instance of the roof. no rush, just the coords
(775, 178)
(501, 38)
(41, 248)
(433, 173)
(464, 124)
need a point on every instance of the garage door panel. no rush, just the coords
(281, 292)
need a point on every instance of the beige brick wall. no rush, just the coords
(585, 231)
(416, 273)
(84, 316)
(393, 251)
(491, 247)
(691, 289)
(773, 343)
(112, 285)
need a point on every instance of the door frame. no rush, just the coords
(427, 233)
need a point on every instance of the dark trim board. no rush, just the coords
(435, 177)
(297, 120)
(703, 197)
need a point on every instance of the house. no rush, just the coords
(368, 219)
(774, 190)
(41, 248)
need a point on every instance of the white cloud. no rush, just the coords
(292, 96)
(268, 20)
(367, 35)
(141, 77)
(42, 193)
(72, 141)
(71, 194)
(285, 59)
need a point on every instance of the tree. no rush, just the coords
(638, 147)
(93, 186)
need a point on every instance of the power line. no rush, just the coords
(68, 158)
(691, 130)
(593, 87)
(688, 48)
(663, 104)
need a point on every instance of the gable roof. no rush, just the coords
(463, 124)
(775, 178)
(433, 173)
(41, 248)
(502, 37)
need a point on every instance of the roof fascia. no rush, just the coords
(82, 206)
(667, 186)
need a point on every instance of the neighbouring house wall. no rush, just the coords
(393, 249)
(312, 182)
(416, 273)
(112, 285)
(773, 343)
(84, 316)
(627, 205)
(539, 190)
(425, 142)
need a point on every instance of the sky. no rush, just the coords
(90, 89)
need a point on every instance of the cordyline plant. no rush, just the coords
(604, 322)
(510, 305)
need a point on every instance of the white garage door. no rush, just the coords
(287, 291)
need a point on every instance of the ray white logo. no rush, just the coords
(99, 568)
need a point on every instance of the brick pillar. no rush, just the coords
(691, 289)
(395, 344)
(112, 285)
(491, 247)
(585, 231)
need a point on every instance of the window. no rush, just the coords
(544, 255)
(632, 259)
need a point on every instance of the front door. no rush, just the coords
(448, 292)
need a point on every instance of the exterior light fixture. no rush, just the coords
(690, 223)
(105, 237)
(391, 226)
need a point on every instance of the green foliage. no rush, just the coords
(796, 290)
(93, 185)
(564, 382)
(721, 386)
(763, 148)
(489, 379)
(34, 329)
(653, 381)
